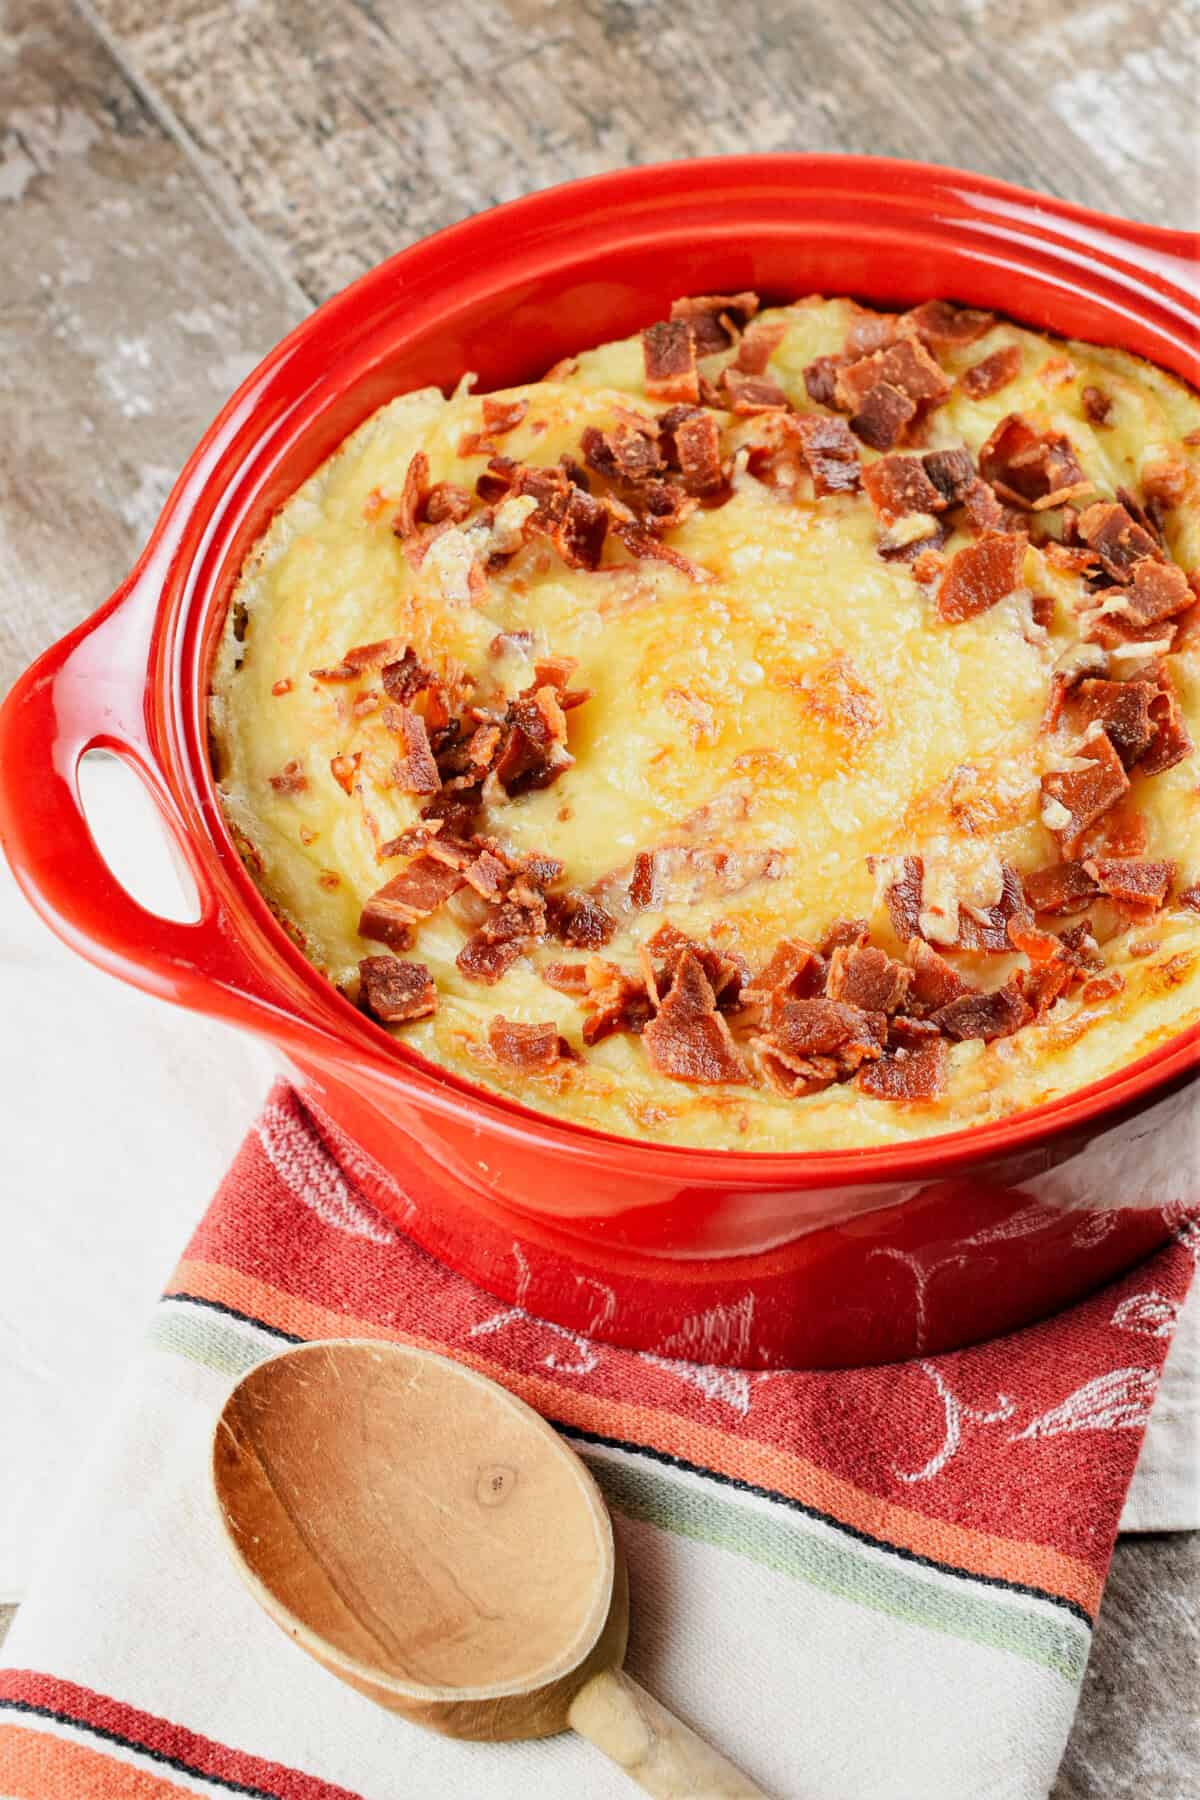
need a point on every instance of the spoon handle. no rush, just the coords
(655, 1749)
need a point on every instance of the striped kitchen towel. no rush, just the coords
(862, 1585)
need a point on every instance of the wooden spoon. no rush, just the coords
(433, 1542)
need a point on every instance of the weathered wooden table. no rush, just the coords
(180, 180)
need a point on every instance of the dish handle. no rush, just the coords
(88, 692)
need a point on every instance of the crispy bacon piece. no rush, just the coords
(897, 485)
(291, 779)
(1097, 405)
(416, 478)
(981, 574)
(1122, 831)
(697, 444)
(935, 982)
(867, 978)
(1025, 465)
(1115, 538)
(614, 1000)
(902, 895)
(941, 325)
(824, 1039)
(579, 531)
(715, 319)
(531, 1048)
(358, 660)
(869, 331)
(992, 373)
(916, 1073)
(483, 959)
(759, 345)
(1064, 887)
(446, 501)
(1158, 591)
(414, 770)
(1132, 880)
(883, 416)
(395, 992)
(416, 892)
(820, 378)
(579, 919)
(405, 679)
(904, 366)
(502, 416)
(661, 955)
(986, 928)
(1172, 741)
(984, 511)
(688, 1039)
(1073, 799)
(643, 886)
(566, 978)
(952, 473)
(1124, 710)
(669, 355)
(750, 394)
(643, 544)
(986, 1016)
(851, 934)
(1190, 897)
(830, 453)
(794, 972)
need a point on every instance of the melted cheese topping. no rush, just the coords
(803, 708)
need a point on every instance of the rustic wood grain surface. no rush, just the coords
(181, 179)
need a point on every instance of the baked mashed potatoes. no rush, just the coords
(773, 732)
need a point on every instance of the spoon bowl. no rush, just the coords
(430, 1540)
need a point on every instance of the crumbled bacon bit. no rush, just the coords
(1064, 887)
(669, 355)
(1132, 880)
(416, 892)
(914, 1074)
(1102, 987)
(820, 378)
(344, 770)
(642, 883)
(1165, 482)
(282, 686)
(642, 544)
(358, 660)
(851, 934)
(688, 1039)
(1115, 538)
(750, 394)
(1189, 897)
(986, 1016)
(531, 1048)
(935, 982)
(794, 972)
(1157, 591)
(291, 779)
(993, 373)
(1123, 708)
(414, 770)
(830, 453)
(883, 415)
(1073, 799)
(578, 534)
(566, 978)
(867, 978)
(984, 511)
(405, 679)
(408, 513)
(482, 959)
(981, 574)
(759, 345)
(502, 416)
(579, 919)
(1172, 740)
(941, 325)
(952, 473)
(869, 331)
(697, 443)
(1097, 405)
(1025, 465)
(904, 366)
(395, 992)
(447, 501)
(822, 1039)
(715, 319)
(902, 895)
(897, 485)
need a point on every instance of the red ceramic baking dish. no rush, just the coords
(806, 1259)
